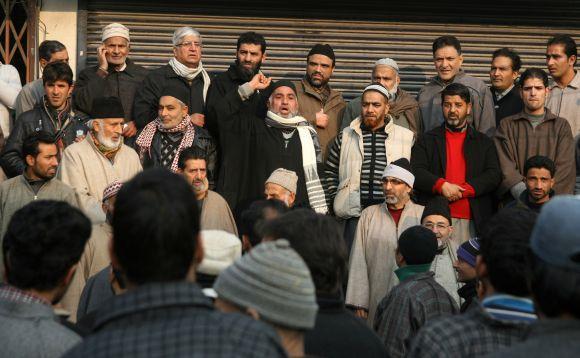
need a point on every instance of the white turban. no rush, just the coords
(115, 29)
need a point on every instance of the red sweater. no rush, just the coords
(455, 174)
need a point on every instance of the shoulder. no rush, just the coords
(474, 83)
(129, 152)
(76, 149)
(373, 210)
(137, 69)
(63, 187)
(449, 327)
(31, 115)
(247, 333)
(215, 197)
(7, 184)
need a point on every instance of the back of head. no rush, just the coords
(254, 217)
(43, 241)
(417, 245)
(318, 240)
(48, 47)
(445, 41)
(57, 71)
(505, 250)
(252, 38)
(155, 227)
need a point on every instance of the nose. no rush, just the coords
(54, 162)
(247, 57)
(496, 72)
(445, 63)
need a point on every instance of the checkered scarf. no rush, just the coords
(146, 137)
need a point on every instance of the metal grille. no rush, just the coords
(357, 43)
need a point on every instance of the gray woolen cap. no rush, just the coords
(275, 281)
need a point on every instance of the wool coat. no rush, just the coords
(216, 214)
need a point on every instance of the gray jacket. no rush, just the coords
(482, 113)
(30, 95)
(32, 330)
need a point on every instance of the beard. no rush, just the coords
(315, 82)
(393, 199)
(455, 123)
(108, 143)
(200, 186)
(44, 175)
(250, 72)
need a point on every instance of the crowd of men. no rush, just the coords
(173, 212)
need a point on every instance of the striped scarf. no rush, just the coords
(310, 147)
(146, 137)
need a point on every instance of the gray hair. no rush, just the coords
(91, 122)
(182, 32)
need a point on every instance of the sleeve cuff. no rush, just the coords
(245, 91)
(469, 191)
(438, 185)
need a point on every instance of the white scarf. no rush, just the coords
(189, 73)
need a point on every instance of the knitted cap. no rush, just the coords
(400, 169)
(468, 251)
(556, 235)
(115, 29)
(378, 88)
(287, 179)
(107, 107)
(112, 189)
(320, 49)
(438, 205)
(275, 281)
(281, 83)
(220, 250)
(418, 245)
(178, 92)
(388, 62)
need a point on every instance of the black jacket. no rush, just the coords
(508, 105)
(429, 160)
(33, 121)
(147, 96)
(118, 84)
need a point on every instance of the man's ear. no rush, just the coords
(30, 160)
(69, 275)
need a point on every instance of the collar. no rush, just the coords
(501, 95)
(14, 294)
(327, 90)
(358, 126)
(330, 301)
(459, 75)
(525, 198)
(406, 272)
(456, 130)
(504, 307)
(575, 83)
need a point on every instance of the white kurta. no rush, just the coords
(372, 259)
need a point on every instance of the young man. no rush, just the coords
(505, 70)
(534, 131)
(418, 298)
(465, 266)
(539, 178)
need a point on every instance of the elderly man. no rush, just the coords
(161, 141)
(54, 115)
(49, 51)
(114, 75)
(535, 131)
(215, 212)
(372, 258)
(505, 69)
(402, 106)
(358, 156)
(282, 140)
(319, 103)
(90, 165)
(458, 163)
(281, 185)
(184, 71)
(448, 59)
(36, 183)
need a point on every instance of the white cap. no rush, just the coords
(220, 250)
(388, 62)
(115, 29)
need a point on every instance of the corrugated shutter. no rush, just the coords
(357, 43)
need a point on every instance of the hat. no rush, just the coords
(287, 179)
(115, 29)
(178, 92)
(379, 88)
(112, 189)
(438, 205)
(556, 235)
(468, 251)
(320, 49)
(418, 245)
(107, 107)
(274, 280)
(281, 83)
(400, 169)
(388, 62)
(220, 250)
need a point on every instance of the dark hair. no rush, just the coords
(534, 73)
(43, 241)
(190, 153)
(568, 42)
(556, 290)
(254, 217)
(30, 145)
(456, 89)
(57, 71)
(505, 249)
(539, 161)
(252, 38)
(48, 47)
(318, 240)
(155, 227)
(511, 54)
(445, 41)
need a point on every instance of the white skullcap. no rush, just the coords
(388, 62)
(400, 169)
(379, 88)
(115, 29)
(220, 250)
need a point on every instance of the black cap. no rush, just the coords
(403, 163)
(418, 245)
(281, 83)
(107, 107)
(320, 49)
(178, 92)
(438, 205)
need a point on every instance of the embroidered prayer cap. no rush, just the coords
(379, 88)
(468, 251)
(274, 280)
(400, 169)
(107, 107)
(325, 50)
(438, 205)
(115, 29)
(388, 62)
(287, 179)
(177, 92)
(111, 190)
(418, 245)
(220, 250)
(556, 235)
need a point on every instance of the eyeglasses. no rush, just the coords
(392, 181)
(439, 226)
(189, 44)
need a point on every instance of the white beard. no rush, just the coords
(107, 142)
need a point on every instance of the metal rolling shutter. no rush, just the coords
(357, 43)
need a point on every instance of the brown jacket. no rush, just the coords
(310, 102)
(516, 141)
